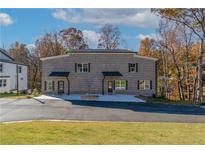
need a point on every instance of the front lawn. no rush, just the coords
(45, 132)
(14, 95)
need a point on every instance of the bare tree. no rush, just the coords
(109, 38)
(73, 39)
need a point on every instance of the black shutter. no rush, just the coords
(150, 84)
(138, 84)
(113, 82)
(88, 67)
(76, 67)
(45, 85)
(126, 85)
(136, 67)
(53, 85)
(128, 67)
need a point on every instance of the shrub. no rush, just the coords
(35, 92)
(153, 95)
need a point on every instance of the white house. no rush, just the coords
(9, 74)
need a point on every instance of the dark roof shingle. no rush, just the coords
(111, 73)
(59, 74)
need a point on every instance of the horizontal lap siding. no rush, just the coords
(99, 63)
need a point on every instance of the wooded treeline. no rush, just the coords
(58, 43)
(179, 46)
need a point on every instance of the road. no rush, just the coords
(31, 109)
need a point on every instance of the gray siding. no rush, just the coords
(92, 82)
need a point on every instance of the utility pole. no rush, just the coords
(17, 73)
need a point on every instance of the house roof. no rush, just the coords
(59, 74)
(10, 60)
(111, 73)
(99, 51)
(3, 51)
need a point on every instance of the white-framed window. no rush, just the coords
(50, 85)
(144, 84)
(1, 67)
(3, 83)
(120, 84)
(83, 67)
(19, 69)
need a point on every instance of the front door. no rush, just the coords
(60, 87)
(110, 86)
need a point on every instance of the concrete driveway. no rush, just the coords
(31, 109)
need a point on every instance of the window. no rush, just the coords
(19, 69)
(1, 67)
(50, 85)
(3, 83)
(120, 84)
(45, 85)
(144, 84)
(82, 67)
(133, 67)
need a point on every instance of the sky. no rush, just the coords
(26, 25)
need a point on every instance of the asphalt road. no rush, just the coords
(31, 109)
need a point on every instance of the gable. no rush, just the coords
(4, 56)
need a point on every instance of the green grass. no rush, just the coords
(14, 95)
(52, 132)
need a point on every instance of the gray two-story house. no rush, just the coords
(98, 71)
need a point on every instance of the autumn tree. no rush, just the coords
(72, 38)
(19, 52)
(50, 44)
(109, 37)
(147, 47)
(23, 55)
(193, 19)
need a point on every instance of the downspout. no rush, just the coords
(68, 85)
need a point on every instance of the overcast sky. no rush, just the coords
(25, 25)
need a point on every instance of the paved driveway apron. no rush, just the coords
(31, 109)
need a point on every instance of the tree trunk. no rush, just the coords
(199, 74)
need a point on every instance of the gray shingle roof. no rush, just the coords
(102, 51)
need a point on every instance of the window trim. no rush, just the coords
(19, 69)
(133, 68)
(145, 84)
(3, 83)
(49, 86)
(121, 87)
(83, 67)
